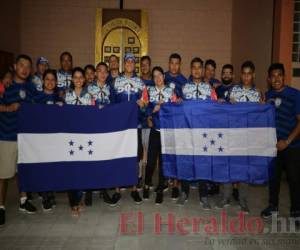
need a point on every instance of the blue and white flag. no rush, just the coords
(218, 142)
(77, 147)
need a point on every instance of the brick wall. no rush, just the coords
(197, 28)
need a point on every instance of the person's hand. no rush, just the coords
(282, 145)
(179, 100)
(140, 103)
(7, 82)
(232, 101)
(156, 108)
(150, 122)
(13, 107)
(221, 100)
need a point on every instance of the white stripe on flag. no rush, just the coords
(219, 142)
(59, 147)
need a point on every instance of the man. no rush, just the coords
(113, 66)
(173, 77)
(129, 87)
(210, 73)
(146, 71)
(19, 92)
(42, 64)
(64, 75)
(245, 92)
(227, 77)
(197, 90)
(287, 119)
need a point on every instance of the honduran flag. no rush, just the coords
(77, 147)
(218, 142)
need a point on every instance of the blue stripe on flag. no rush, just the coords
(192, 114)
(76, 119)
(59, 176)
(224, 169)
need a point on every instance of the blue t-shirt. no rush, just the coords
(200, 91)
(64, 80)
(147, 82)
(223, 91)
(287, 107)
(44, 98)
(175, 83)
(15, 93)
(212, 81)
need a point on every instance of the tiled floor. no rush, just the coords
(98, 226)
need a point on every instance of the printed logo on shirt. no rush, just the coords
(22, 94)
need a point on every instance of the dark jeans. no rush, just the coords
(289, 160)
(74, 198)
(203, 191)
(154, 153)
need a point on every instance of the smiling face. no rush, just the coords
(78, 79)
(276, 78)
(49, 82)
(129, 66)
(22, 69)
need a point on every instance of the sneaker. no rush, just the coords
(47, 206)
(136, 197)
(146, 193)
(244, 207)
(205, 204)
(222, 204)
(159, 198)
(269, 211)
(2, 217)
(88, 200)
(235, 194)
(27, 207)
(115, 199)
(151, 185)
(175, 193)
(182, 199)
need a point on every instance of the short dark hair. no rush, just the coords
(50, 71)
(157, 68)
(175, 56)
(77, 69)
(102, 64)
(275, 66)
(248, 64)
(65, 53)
(25, 57)
(113, 55)
(89, 66)
(196, 60)
(227, 66)
(146, 58)
(211, 62)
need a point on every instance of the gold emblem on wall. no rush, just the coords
(119, 36)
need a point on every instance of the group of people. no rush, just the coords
(104, 85)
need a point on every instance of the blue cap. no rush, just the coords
(42, 60)
(129, 56)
